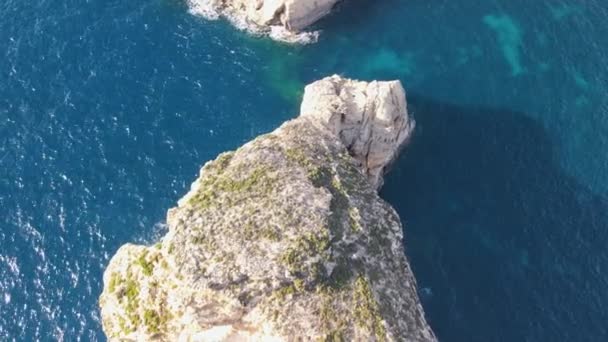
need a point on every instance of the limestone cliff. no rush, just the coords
(283, 20)
(284, 239)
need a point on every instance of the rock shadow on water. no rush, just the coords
(509, 245)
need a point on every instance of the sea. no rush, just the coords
(109, 108)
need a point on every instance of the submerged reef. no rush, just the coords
(283, 239)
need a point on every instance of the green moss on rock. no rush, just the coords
(353, 218)
(153, 321)
(320, 176)
(334, 336)
(122, 325)
(285, 292)
(114, 282)
(223, 160)
(131, 292)
(147, 266)
(215, 185)
(252, 231)
(366, 309)
(298, 157)
(333, 322)
(305, 248)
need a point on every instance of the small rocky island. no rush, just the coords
(284, 239)
(282, 20)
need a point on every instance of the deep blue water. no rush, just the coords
(108, 109)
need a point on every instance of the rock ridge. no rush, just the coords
(284, 239)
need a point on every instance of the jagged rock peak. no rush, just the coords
(371, 119)
(282, 20)
(284, 239)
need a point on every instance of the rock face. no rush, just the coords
(283, 20)
(284, 239)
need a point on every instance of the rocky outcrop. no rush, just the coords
(371, 119)
(283, 20)
(284, 239)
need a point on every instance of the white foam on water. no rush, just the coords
(208, 10)
(204, 8)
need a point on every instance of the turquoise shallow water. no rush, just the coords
(108, 109)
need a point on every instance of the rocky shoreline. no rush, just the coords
(283, 239)
(281, 20)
